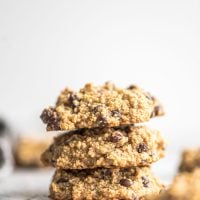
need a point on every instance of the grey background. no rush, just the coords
(47, 45)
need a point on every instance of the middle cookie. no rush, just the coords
(105, 147)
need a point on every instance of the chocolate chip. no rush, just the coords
(102, 121)
(131, 87)
(126, 182)
(73, 100)
(62, 180)
(127, 129)
(145, 181)
(157, 111)
(116, 137)
(49, 116)
(108, 172)
(142, 147)
(116, 113)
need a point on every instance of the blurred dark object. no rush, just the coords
(28, 151)
(3, 128)
(6, 158)
(2, 159)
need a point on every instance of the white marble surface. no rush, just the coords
(26, 185)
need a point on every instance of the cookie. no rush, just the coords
(128, 184)
(190, 160)
(186, 186)
(105, 147)
(28, 151)
(100, 106)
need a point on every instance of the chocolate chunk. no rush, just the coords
(126, 182)
(145, 181)
(49, 116)
(116, 113)
(116, 137)
(142, 147)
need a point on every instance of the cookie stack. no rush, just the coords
(105, 154)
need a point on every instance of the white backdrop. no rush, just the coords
(47, 45)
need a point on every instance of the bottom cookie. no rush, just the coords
(127, 184)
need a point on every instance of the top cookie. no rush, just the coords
(100, 106)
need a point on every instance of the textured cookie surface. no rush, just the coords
(104, 184)
(190, 160)
(105, 147)
(28, 151)
(186, 186)
(100, 106)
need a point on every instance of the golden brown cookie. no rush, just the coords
(105, 147)
(105, 184)
(186, 186)
(100, 106)
(190, 160)
(28, 151)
